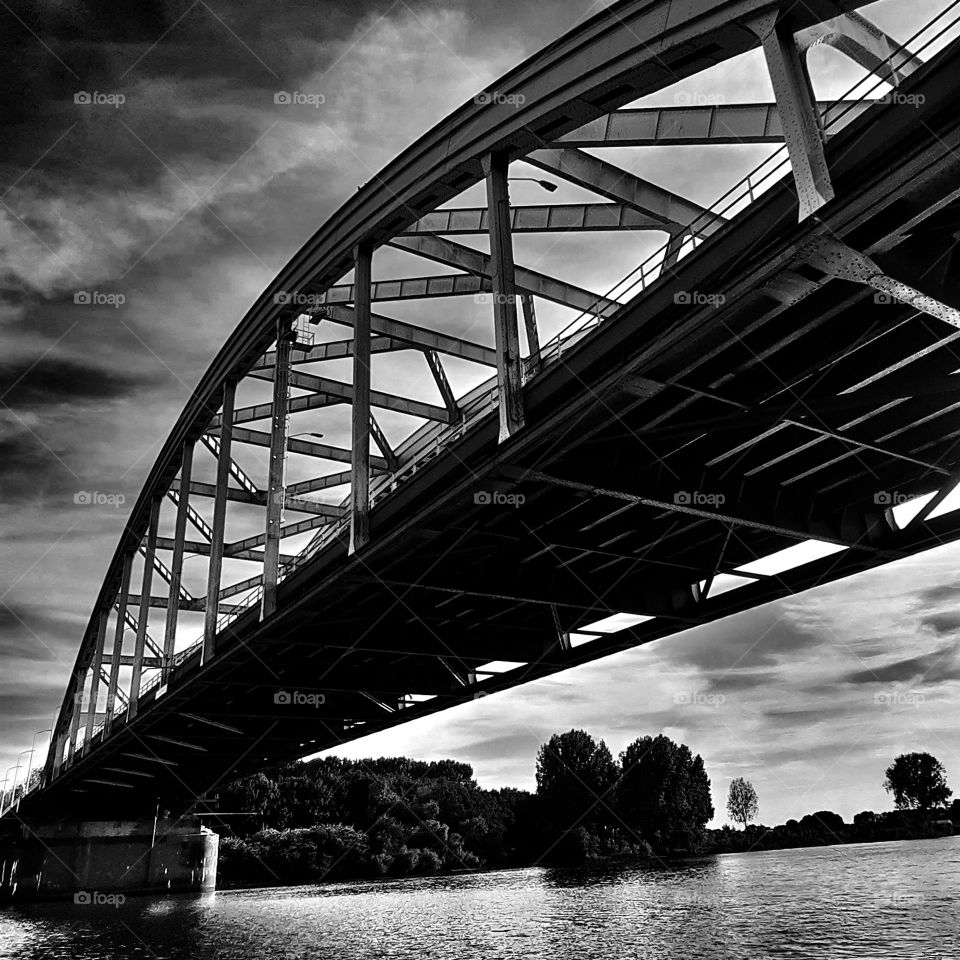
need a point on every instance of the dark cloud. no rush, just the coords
(942, 623)
(928, 668)
(49, 381)
(32, 633)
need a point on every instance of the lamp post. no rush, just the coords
(33, 747)
(546, 184)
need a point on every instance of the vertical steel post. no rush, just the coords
(504, 296)
(797, 109)
(215, 568)
(533, 334)
(278, 460)
(75, 717)
(144, 615)
(360, 447)
(176, 562)
(95, 665)
(119, 632)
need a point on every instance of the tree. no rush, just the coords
(742, 802)
(917, 781)
(574, 777)
(664, 792)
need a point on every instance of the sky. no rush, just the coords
(171, 197)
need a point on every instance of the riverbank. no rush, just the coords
(334, 854)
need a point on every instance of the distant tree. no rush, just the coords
(664, 792)
(824, 823)
(742, 802)
(575, 774)
(917, 782)
(866, 816)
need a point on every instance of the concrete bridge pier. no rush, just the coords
(99, 861)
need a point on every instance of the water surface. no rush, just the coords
(878, 901)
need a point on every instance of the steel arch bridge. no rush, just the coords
(740, 420)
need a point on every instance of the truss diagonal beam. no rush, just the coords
(408, 334)
(344, 392)
(412, 288)
(309, 448)
(619, 185)
(457, 255)
(201, 489)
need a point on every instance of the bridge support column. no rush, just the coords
(533, 333)
(798, 111)
(215, 568)
(176, 561)
(277, 470)
(75, 718)
(114, 684)
(99, 863)
(360, 446)
(149, 553)
(509, 381)
(95, 665)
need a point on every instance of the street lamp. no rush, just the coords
(546, 184)
(33, 747)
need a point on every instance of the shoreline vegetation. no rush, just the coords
(331, 820)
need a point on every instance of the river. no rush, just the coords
(883, 900)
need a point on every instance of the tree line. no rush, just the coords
(331, 818)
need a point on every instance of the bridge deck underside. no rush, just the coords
(681, 441)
